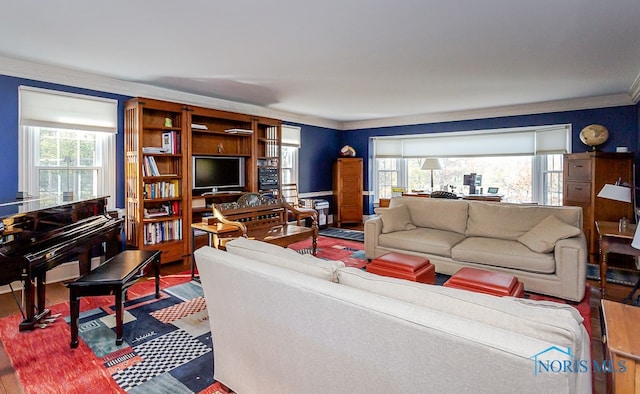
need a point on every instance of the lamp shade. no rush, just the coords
(431, 164)
(615, 192)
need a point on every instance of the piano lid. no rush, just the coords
(19, 207)
(28, 222)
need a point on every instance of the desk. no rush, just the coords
(478, 197)
(612, 240)
(622, 346)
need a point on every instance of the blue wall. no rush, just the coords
(320, 146)
(9, 133)
(623, 124)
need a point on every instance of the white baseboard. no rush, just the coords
(66, 271)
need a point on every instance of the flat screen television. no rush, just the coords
(213, 172)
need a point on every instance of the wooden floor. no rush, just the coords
(57, 293)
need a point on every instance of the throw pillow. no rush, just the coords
(395, 219)
(542, 237)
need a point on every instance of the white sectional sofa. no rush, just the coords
(543, 246)
(285, 323)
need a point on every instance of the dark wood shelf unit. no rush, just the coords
(201, 132)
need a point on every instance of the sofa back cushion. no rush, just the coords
(436, 213)
(556, 323)
(285, 258)
(510, 221)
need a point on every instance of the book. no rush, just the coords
(168, 142)
(199, 126)
(239, 131)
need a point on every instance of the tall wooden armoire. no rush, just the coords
(347, 190)
(584, 176)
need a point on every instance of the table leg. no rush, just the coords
(193, 249)
(119, 312)
(603, 272)
(75, 313)
(156, 264)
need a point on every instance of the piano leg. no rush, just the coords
(34, 314)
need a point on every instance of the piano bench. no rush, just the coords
(113, 277)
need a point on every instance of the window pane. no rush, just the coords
(511, 174)
(54, 182)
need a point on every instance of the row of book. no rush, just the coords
(164, 189)
(169, 230)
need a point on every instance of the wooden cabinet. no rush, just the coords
(161, 201)
(347, 189)
(268, 152)
(156, 190)
(621, 347)
(584, 176)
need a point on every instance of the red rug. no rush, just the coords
(44, 361)
(349, 252)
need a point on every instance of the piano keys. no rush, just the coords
(40, 234)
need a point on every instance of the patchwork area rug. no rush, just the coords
(167, 345)
(342, 233)
(614, 275)
(349, 252)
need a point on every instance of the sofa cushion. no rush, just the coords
(422, 240)
(510, 221)
(554, 322)
(542, 237)
(503, 253)
(436, 213)
(285, 258)
(395, 218)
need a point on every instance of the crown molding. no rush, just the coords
(47, 73)
(616, 100)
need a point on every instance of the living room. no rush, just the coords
(602, 92)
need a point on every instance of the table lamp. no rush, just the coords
(617, 193)
(431, 163)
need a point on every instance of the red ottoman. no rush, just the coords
(404, 266)
(488, 282)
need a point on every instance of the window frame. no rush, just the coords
(29, 138)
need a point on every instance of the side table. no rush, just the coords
(612, 240)
(622, 346)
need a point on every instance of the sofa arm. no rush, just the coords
(372, 230)
(571, 266)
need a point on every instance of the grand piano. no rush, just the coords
(40, 234)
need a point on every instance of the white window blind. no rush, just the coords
(291, 136)
(503, 142)
(47, 108)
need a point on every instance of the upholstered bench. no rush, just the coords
(113, 277)
(488, 282)
(404, 266)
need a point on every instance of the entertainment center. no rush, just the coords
(180, 159)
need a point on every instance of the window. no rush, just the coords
(289, 164)
(67, 144)
(525, 164)
(290, 148)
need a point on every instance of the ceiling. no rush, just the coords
(345, 61)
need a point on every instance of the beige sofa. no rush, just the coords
(543, 246)
(283, 323)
